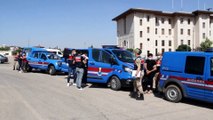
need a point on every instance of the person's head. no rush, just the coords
(150, 56)
(73, 52)
(137, 51)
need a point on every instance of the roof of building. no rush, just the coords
(157, 12)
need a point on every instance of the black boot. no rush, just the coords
(140, 97)
(133, 94)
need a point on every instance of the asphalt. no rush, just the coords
(39, 96)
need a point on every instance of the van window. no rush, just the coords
(96, 55)
(211, 68)
(36, 55)
(43, 57)
(194, 65)
(105, 57)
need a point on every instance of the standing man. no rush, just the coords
(150, 68)
(15, 61)
(138, 74)
(79, 62)
(71, 69)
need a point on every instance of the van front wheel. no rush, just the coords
(173, 93)
(115, 83)
(52, 70)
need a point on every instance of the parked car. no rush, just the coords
(3, 59)
(187, 74)
(39, 58)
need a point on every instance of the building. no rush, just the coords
(157, 31)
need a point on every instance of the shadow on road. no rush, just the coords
(197, 103)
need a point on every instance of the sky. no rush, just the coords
(74, 23)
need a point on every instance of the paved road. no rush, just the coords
(38, 96)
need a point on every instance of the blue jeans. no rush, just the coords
(71, 74)
(80, 73)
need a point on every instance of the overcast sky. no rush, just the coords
(74, 23)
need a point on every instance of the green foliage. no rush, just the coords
(183, 48)
(206, 44)
(4, 48)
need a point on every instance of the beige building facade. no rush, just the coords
(157, 31)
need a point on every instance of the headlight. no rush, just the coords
(127, 69)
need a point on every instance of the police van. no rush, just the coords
(187, 74)
(40, 58)
(107, 66)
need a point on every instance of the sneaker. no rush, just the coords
(68, 84)
(80, 88)
(74, 84)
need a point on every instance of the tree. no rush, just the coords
(183, 48)
(4, 48)
(130, 49)
(206, 44)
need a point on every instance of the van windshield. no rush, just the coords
(124, 56)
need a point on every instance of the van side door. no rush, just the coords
(209, 81)
(99, 66)
(194, 76)
(43, 62)
(33, 60)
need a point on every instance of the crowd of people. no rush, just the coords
(146, 74)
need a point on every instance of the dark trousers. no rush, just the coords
(148, 81)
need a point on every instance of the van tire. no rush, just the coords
(51, 70)
(28, 68)
(115, 83)
(173, 93)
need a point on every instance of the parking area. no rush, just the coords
(39, 96)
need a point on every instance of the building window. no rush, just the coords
(170, 31)
(162, 43)
(170, 49)
(148, 18)
(148, 52)
(163, 50)
(162, 20)
(181, 42)
(156, 42)
(204, 25)
(141, 46)
(170, 43)
(156, 52)
(156, 31)
(181, 31)
(189, 21)
(169, 20)
(141, 22)
(189, 32)
(124, 43)
(148, 30)
(148, 39)
(204, 35)
(141, 34)
(156, 21)
(210, 33)
(181, 20)
(162, 31)
(189, 42)
(125, 25)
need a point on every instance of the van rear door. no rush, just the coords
(209, 81)
(194, 74)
